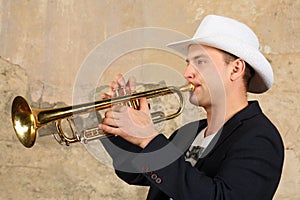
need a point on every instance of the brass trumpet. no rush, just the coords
(26, 120)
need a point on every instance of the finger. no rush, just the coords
(144, 105)
(109, 129)
(108, 114)
(120, 80)
(109, 122)
(113, 87)
(123, 86)
(131, 83)
(105, 96)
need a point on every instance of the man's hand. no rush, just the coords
(133, 125)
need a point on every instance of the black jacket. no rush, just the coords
(244, 161)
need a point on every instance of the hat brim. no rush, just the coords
(263, 77)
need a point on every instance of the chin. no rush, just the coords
(199, 100)
(194, 100)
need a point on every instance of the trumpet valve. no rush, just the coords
(92, 134)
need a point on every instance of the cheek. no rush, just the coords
(211, 75)
(216, 83)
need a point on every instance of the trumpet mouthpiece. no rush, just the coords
(187, 88)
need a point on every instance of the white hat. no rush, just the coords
(236, 38)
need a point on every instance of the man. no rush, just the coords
(236, 153)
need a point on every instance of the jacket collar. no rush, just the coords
(233, 123)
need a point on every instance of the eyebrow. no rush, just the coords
(196, 57)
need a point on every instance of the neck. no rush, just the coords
(221, 112)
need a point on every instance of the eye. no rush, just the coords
(201, 61)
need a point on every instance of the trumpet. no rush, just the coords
(26, 120)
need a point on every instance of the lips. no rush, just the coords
(196, 84)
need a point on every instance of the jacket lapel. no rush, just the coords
(228, 129)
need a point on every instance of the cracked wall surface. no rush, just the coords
(44, 44)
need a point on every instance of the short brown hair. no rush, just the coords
(249, 71)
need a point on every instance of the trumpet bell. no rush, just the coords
(23, 121)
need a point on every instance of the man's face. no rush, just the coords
(207, 70)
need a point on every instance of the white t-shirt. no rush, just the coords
(198, 146)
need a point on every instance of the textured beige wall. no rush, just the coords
(44, 43)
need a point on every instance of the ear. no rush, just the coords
(238, 69)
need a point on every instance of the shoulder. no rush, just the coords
(252, 121)
(258, 134)
(259, 125)
(250, 128)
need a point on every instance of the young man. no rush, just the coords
(236, 153)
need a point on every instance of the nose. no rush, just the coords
(189, 73)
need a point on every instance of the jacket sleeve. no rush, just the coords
(250, 169)
(122, 154)
(128, 159)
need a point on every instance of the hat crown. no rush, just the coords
(214, 26)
